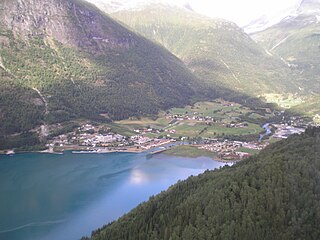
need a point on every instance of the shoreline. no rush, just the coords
(215, 158)
(87, 150)
(97, 150)
(75, 151)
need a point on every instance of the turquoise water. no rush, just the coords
(46, 196)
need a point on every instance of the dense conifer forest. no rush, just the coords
(274, 195)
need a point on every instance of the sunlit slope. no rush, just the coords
(296, 39)
(217, 51)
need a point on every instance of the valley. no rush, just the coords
(105, 73)
(118, 72)
(217, 51)
(104, 104)
(222, 129)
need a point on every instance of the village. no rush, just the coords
(95, 138)
(89, 138)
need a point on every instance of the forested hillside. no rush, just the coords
(63, 60)
(20, 107)
(274, 195)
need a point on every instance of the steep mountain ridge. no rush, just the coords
(296, 40)
(83, 64)
(121, 5)
(217, 51)
(53, 19)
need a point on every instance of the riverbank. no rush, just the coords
(268, 131)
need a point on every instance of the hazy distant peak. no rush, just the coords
(188, 6)
(309, 6)
(121, 5)
(310, 2)
(305, 7)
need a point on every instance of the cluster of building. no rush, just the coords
(140, 139)
(153, 130)
(154, 143)
(283, 131)
(199, 117)
(236, 125)
(91, 137)
(147, 130)
(192, 116)
(88, 135)
(99, 140)
(230, 150)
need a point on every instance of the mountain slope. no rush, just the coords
(296, 39)
(77, 62)
(274, 195)
(217, 51)
(20, 107)
(270, 18)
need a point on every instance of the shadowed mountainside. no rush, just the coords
(77, 62)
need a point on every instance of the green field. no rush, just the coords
(221, 113)
(216, 130)
(248, 150)
(285, 101)
(218, 110)
(120, 129)
(189, 151)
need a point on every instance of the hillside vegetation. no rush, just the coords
(217, 51)
(61, 60)
(273, 195)
(296, 40)
(20, 107)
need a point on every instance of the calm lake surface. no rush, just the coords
(57, 197)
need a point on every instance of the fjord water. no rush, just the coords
(46, 196)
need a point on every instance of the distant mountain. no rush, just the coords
(65, 59)
(269, 19)
(111, 6)
(296, 39)
(217, 51)
(274, 195)
(309, 6)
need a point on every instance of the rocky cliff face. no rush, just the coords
(70, 22)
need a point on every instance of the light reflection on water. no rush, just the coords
(67, 196)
